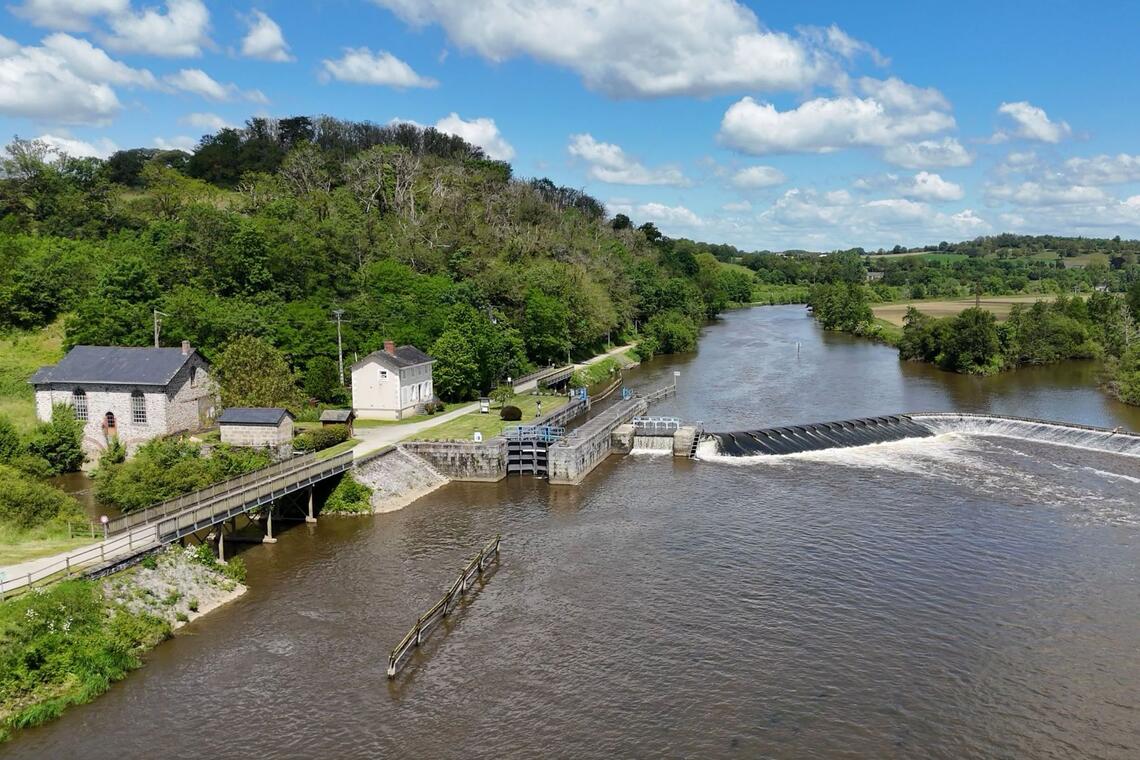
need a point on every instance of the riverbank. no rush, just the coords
(65, 644)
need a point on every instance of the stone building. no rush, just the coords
(390, 384)
(133, 394)
(261, 428)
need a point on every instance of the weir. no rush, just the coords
(795, 439)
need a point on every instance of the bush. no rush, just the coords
(434, 406)
(235, 569)
(502, 394)
(321, 438)
(349, 497)
(10, 446)
(192, 604)
(510, 414)
(30, 504)
(150, 562)
(60, 441)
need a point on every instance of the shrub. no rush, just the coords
(181, 617)
(349, 497)
(60, 441)
(321, 438)
(235, 569)
(192, 604)
(150, 562)
(502, 394)
(10, 446)
(434, 406)
(510, 414)
(116, 453)
(29, 504)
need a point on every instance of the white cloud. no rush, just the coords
(1038, 194)
(93, 64)
(849, 47)
(926, 186)
(362, 66)
(180, 32)
(101, 148)
(200, 83)
(670, 215)
(897, 95)
(482, 132)
(639, 48)
(1031, 123)
(756, 177)
(737, 207)
(69, 15)
(8, 47)
(1103, 169)
(609, 163)
(207, 121)
(824, 125)
(799, 213)
(265, 39)
(46, 84)
(181, 142)
(929, 154)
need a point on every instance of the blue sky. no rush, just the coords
(809, 124)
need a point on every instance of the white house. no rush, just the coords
(133, 394)
(390, 384)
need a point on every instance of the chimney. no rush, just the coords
(185, 348)
(390, 347)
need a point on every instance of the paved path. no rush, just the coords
(373, 438)
(86, 556)
(611, 352)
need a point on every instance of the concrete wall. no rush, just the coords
(571, 461)
(464, 460)
(397, 477)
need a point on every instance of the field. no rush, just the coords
(22, 353)
(926, 256)
(1075, 261)
(999, 305)
(463, 428)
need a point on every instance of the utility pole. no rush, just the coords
(158, 324)
(338, 313)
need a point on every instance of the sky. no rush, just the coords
(811, 124)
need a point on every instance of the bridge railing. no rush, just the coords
(542, 433)
(219, 490)
(441, 609)
(539, 375)
(252, 495)
(657, 425)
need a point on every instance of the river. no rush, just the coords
(961, 596)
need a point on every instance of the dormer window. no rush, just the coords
(79, 403)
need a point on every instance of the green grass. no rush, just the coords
(451, 407)
(464, 427)
(22, 352)
(764, 295)
(340, 448)
(925, 256)
(17, 547)
(737, 267)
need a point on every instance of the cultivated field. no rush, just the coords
(999, 305)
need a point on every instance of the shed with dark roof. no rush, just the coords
(257, 427)
(338, 417)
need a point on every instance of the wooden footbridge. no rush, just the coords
(141, 532)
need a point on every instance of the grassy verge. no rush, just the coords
(598, 372)
(22, 352)
(451, 407)
(774, 295)
(340, 448)
(463, 428)
(44, 541)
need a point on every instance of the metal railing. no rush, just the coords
(441, 609)
(657, 425)
(544, 433)
(540, 374)
(608, 419)
(253, 495)
(165, 509)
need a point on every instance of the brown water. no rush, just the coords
(951, 597)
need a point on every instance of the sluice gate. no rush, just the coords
(795, 439)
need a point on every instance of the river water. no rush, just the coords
(953, 597)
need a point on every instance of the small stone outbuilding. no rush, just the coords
(339, 417)
(258, 427)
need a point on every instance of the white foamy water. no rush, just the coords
(1060, 434)
(652, 444)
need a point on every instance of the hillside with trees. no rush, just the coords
(263, 231)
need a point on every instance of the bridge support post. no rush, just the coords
(310, 518)
(268, 538)
(222, 541)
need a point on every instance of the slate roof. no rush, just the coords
(337, 415)
(114, 365)
(405, 356)
(253, 416)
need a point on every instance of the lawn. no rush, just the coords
(16, 547)
(893, 313)
(464, 428)
(340, 448)
(451, 407)
(22, 352)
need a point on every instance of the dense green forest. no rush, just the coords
(264, 231)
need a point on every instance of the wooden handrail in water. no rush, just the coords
(414, 637)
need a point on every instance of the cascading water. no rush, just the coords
(652, 444)
(797, 439)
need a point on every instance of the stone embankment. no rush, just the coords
(397, 477)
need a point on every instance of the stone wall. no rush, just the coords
(572, 460)
(397, 477)
(464, 460)
(191, 397)
(279, 439)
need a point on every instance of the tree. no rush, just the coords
(322, 379)
(59, 442)
(973, 345)
(251, 372)
(502, 394)
(456, 372)
(621, 222)
(546, 328)
(1134, 301)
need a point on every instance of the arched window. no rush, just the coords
(138, 408)
(79, 403)
(109, 423)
